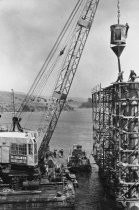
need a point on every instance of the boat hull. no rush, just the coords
(50, 195)
(82, 168)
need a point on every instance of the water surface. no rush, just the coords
(75, 127)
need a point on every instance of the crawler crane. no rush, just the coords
(21, 158)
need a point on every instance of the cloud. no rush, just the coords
(28, 31)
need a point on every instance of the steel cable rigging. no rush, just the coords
(68, 70)
(49, 59)
(41, 80)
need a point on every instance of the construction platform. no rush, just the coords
(55, 192)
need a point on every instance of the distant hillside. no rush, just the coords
(87, 104)
(6, 100)
(75, 102)
(6, 103)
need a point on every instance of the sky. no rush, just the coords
(29, 29)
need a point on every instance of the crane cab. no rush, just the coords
(18, 148)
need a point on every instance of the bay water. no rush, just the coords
(75, 127)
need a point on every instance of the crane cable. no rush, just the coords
(83, 16)
(49, 73)
(42, 86)
(50, 56)
(80, 6)
(118, 11)
(67, 43)
(45, 77)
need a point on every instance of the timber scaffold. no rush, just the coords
(116, 140)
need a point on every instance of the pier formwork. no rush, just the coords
(116, 140)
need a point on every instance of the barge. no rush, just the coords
(50, 195)
(55, 191)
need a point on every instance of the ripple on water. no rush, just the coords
(90, 194)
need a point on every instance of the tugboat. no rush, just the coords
(78, 161)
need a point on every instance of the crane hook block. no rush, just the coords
(119, 34)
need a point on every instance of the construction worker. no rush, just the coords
(55, 153)
(61, 152)
(16, 122)
(127, 28)
(120, 77)
(132, 76)
(135, 168)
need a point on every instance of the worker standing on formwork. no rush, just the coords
(132, 76)
(120, 77)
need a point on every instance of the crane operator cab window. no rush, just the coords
(20, 149)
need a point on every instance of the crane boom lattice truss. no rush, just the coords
(68, 70)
